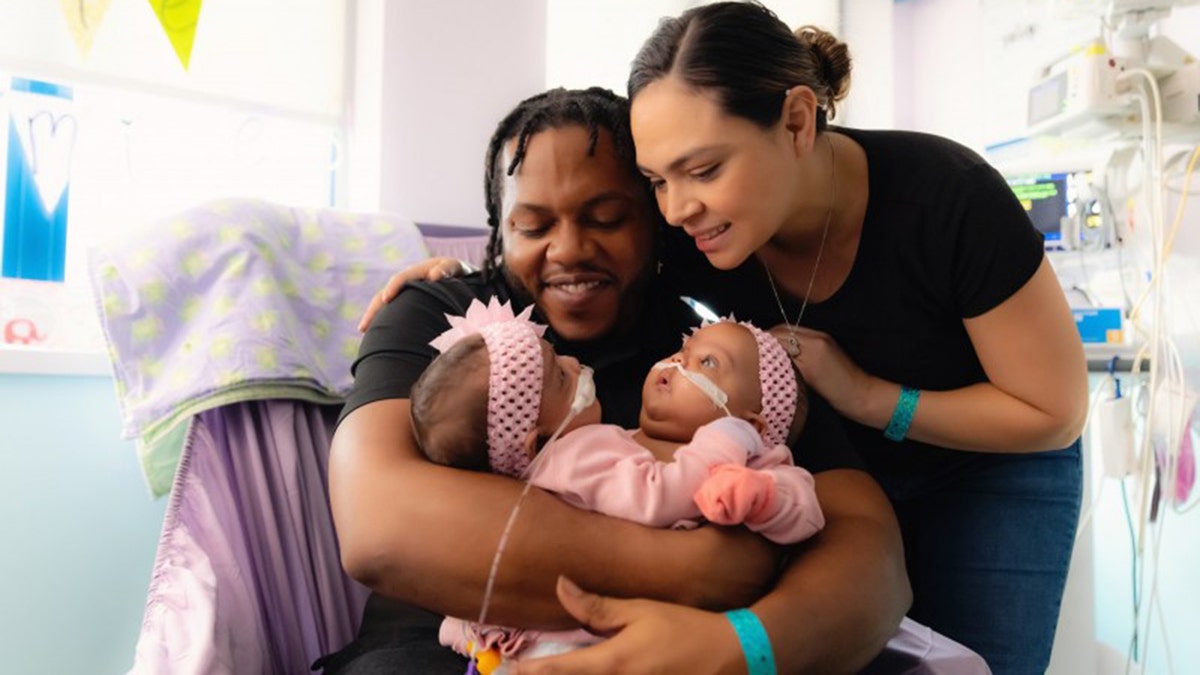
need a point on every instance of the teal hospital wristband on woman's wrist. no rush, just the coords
(756, 645)
(902, 414)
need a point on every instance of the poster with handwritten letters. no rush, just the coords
(39, 140)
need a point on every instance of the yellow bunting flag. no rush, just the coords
(179, 19)
(83, 18)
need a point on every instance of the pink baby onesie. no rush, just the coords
(602, 468)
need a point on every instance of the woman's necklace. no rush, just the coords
(793, 344)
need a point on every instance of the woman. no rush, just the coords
(912, 291)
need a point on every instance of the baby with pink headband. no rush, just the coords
(713, 425)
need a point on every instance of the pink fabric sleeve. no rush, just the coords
(600, 467)
(453, 634)
(509, 642)
(794, 514)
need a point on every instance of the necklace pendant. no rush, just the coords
(793, 344)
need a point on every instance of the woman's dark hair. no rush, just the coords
(594, 109)
(747, 57)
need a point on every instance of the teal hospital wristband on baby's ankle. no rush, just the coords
(902, 414)
(756, 645)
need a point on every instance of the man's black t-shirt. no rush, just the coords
(395, 351)
(944, 239)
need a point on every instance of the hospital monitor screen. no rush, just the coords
(1046, 200)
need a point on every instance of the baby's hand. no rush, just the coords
(733, 495)
(740, 432)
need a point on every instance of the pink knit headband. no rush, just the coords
(776, 379)
(514, 376)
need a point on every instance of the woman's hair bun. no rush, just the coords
(833, 60)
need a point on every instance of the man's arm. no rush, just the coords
(836, 606)
(426, 534)
(844, 592)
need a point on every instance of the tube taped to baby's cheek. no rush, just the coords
(710, 388)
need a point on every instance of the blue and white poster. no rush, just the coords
(41, 140)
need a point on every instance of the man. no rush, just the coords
(576, 228)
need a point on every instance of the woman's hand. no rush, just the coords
(430, 269)
(645, 636)
(828, 369)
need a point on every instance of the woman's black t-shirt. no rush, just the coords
(944, 239)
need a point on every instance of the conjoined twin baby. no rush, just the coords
(711, 444)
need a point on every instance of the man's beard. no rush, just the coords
(630, 302)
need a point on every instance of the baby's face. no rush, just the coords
(560, 377)
(674, 407)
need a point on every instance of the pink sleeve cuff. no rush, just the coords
(733, 495)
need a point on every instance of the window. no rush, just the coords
(100, 140)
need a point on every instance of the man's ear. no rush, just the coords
(531, 443)
(800, 117)
(756, 420)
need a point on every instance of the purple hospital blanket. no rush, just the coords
(237, 300)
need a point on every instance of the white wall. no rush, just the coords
(866, 26)
(593, 42)
(941, 93)
(433, 80)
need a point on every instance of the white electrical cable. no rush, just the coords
(1187, 157)
(1164, 421)
(1151, 346)
(1151, 136)
(1179, 414)
(1166, 642)
(1149, 561)
(1091, 507)
(1164, 393)
(1153, 607)
(1187, 181)
(1177, 420)
(1152, 158)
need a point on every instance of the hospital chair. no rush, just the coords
(231, 330)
